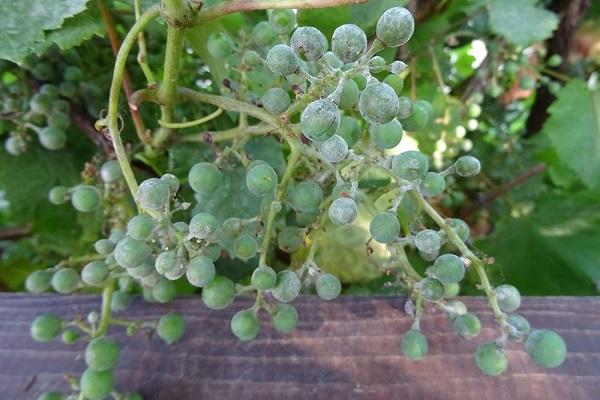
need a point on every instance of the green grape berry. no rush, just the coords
(349, 130)
(119, 301)
(404, 108)
(52, 138)
(320, 120)
(395, 27)
(349, 96)
(245, 247)
(171, 327)
(461, 228)
(285, 318)
(153, 194)
(200, 271)
(59, 120)
(467, 166)
(232, 227)
(263, 34)
(283, 21)
(518, 326)
(15, 145)
(140, 227)
(95, 273)
(219, 293)
(85, 198)
(308, 43)
(343, 211)
(449, 268)
(414, 345)
(491, 359)
(40, 103)
(307, 196)
(546, 348)
(281, 60)
(287, 286)
(166, 261)
(419, 117)
(290, 238)
(386, 136)
(261, 179)
(428, 241)
(467, 325)
(164, 291)
(131, 253)
(245, 325)
(38, 281)
(554, 60)
(102, 354)
(527, 82)
(328, 286)
(104, 246)
(334, 149)
(349, 42)
(220, 45)
(454, 308)
(96, 385)
(203, 226)
(333, 61)
(396, 83)
(433, 184)
(385, 227)
(377, 64)
(509, 298)
(378, 103)
(65, 280)
(264, 278)
(276, 100)
(51, 396)
(110, 171)
(432, 289)
(45, 327)
(204, 178)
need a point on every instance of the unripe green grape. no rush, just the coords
(276, 100)
(85, 198)
(305, 219)
(343, 211)
(261, 179)
(386, 136)
(349, 96)
(554, 60)
(251, 57)
(203, 226)
(395, 27)
(51, 396)
(182, 227)
(285, 318)
(410, 165)
(95, 273)
(232, 227)
(414, 345)
(454, 308)
(171, 327)
(333, 61)
(554, 88)
(245, 325)
(349, 42)
(546, 348)
(116, 236)
(509, 298)
(490, 358)
(65, 280)
(342, 189)
(527, 82)
(52, 138)
(429, 256)
(263, 278)
(104, 247)
(518, 326)
(110, 171)
(45, 327)
(119, 301)
(167, 261)
(73, 74)
(467, 325)
(287, 286)
(281, 60)
(419, 116)
(290, 238)
(59, 120)
(263, 34)
(131, 253)
(320, 120)
(200, 271)
(349, 130)
(377, 64)
(511, 68)
(378, 103)
(328, 286)
(395, 82)
(144, 270)
(433, 184)
(361, 80)
(432, 289)
(49, 90)
(153, 194)
(69, 90)
(172, 181)
(102, 354)
(428, 241)
(467, 166)
(15, 145)
(164, 291)
(38, 281)
(220, 45)
(96, 385)
(40, 103)
(307, 196)
(449, 268)
(283, 21)
(245, 247)
(461, 228)
(219, 293)
(204, 178)
(334, 149)
(384, 227)
(308, 43)
(140, 227)
(474, 110)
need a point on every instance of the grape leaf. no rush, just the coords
(556, 249)
(24, 22)
(76, 30)
(574, 130)
(521, 22)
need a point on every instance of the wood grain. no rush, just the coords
(344, 349)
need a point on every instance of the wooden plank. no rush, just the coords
(344, 349)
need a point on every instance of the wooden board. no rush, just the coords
(344, 349)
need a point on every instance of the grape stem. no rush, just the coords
(229, 134)
(105, 314)
(189, 124)
(141, 57)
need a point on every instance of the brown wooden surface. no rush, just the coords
(344, 349)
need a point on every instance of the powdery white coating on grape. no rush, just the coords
(467, 166)
(94, 273)
(52, 138)
(200, 271)
(110, 171)
(449, 268)
(131, 253)
(410, 165)
(203, 226)
(433, 184)
(287, 287)
(282, 60)
(334, 149)
(395, 27)
(508, 296)
(349, 42)
(328, 286)
(384, 227)
(386, 136)
(166, 261)
(15, 145)
(308, 43)
(307, 196)
(404, 107)
(263, 34)
(342, 211)
(320, 120)
(283, 21)
(276, 100)
(377, 64)
(518, 326)
(85, 198)
(378, 103)
(204, 178)
(172, 181)
(397, 67)
(153, 194)
(261, 179)
(428, 241)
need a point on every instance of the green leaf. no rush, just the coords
(554, 249)
(76, 30)
(23, 24)
(521, 22)
(574, 130)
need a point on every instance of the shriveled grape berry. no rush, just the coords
(65, 280)
(140, 227)
(386, 136)
(276, 100)
(334, 149)
(245, 247)
(110, 171)
(171, 327)
(85, 198)
(328, 286)
(203, 226)
(467, 325)
(153, 194)
(261, 179)
(204, 178)
(509, 298)
(449, 268)
(546, 348)
(433, 184)
(349, 42)
(94, 273)
(320, 120)
(287, 286)
(432, 289)
(282, 60)
(96, 385)
(220, 45)
(308, 43)
(414, 345)
(467, 166)
(343, 211)
(285, 318)
(45, 327)
(384, 227)
(428, 241)
(38, 281)
(378, 103)
(307, 196)
(219, 293)
(490, 358)
(131, 253)
(245, 325)
(395, 27)
(58, 195)
(102, 354)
